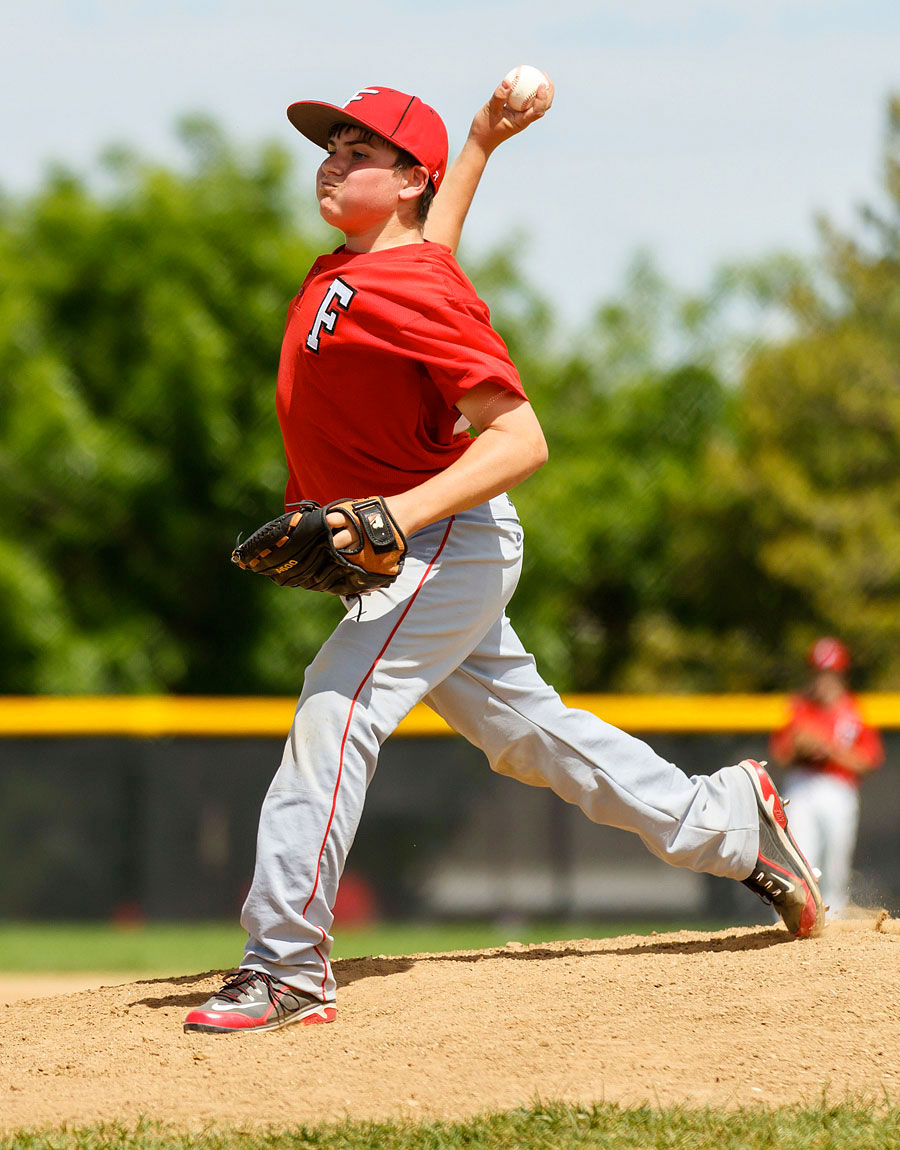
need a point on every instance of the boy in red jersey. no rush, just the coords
(829, 749)
(388, 358)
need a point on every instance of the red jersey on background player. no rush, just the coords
(829, 749)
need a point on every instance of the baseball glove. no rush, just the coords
(297, 549)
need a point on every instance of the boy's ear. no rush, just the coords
(416, 182)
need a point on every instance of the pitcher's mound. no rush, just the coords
(732, 1018)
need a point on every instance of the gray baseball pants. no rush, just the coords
(439, 634)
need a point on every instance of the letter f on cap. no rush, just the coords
(359, 95)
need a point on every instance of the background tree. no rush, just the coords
(138, 343)
(724, 478)
(631, 534)
(820, 462)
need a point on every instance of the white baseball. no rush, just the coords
(525, 82)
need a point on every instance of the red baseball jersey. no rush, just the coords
(841, 724)
(378, 347)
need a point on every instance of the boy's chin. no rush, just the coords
(329, 210)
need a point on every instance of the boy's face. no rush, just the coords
(357, 184)
(827, 687)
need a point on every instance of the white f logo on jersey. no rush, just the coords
(337, 297)
(359, 95)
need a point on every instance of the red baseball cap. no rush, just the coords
(402, 119)
(828, 655)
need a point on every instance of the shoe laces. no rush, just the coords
(237, 984)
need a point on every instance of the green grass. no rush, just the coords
(552, 1126)
(186, 948)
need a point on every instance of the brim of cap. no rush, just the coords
(314, 120)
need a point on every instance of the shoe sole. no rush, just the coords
(316, 1015)
(812, 920)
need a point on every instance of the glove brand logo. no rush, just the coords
(287, 566)
(336, 300)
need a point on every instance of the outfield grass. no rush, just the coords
(547, 1127)
(186, 948)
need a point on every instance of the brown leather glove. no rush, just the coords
(297, 549)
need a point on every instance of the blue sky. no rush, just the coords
(702, 131)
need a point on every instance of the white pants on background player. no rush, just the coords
(439, 634)
(825, 819)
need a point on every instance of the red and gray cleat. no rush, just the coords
(782, 876)
(250, 1001)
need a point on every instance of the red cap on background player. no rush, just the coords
(829, 655)
(402, 119)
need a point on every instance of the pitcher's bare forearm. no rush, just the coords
(502, 456)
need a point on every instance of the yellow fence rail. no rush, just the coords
(154, 716)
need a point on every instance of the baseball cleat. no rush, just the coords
(782, 876)
(251, 1001)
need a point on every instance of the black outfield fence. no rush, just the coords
(161, 825)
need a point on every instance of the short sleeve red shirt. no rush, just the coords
(378, 347)
(841, 724)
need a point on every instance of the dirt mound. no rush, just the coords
(730, 1018)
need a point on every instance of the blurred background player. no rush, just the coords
(827, 749)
